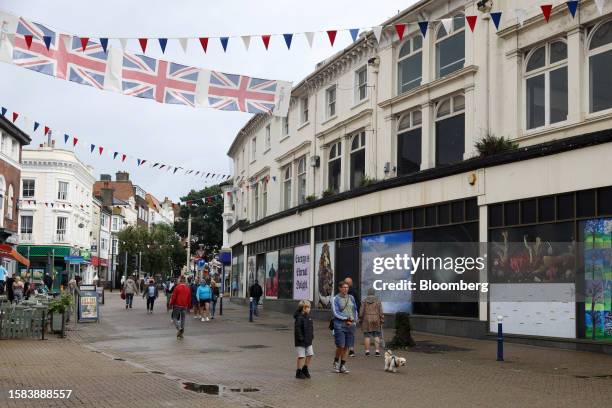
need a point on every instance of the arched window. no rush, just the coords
(301, 180)
(287, 188)
(10, 197)
(546, 84)
(409, 143)
(2, 195)
(410, 64)
(600, 73)
(256, 202)
(450, 47)
(264, 198)
(334, 168)
(450, 130)
(357, 159)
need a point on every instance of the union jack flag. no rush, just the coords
(64, 59)
(241, 93)
(164, 81)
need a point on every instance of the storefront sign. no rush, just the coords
(301, 273)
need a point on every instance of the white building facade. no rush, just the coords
(55, 213)
(381, 139)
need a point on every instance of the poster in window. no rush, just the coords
(324, 279)
(261, 270)
(598, 279)
(272, 275)
(285, 274)
(251, 270)
(387, 246)
(301, 272)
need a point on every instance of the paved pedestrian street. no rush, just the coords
(132, 359)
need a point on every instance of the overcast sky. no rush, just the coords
(179, 135)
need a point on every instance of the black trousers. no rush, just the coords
(150, 302)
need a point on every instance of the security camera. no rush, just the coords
(484, 6)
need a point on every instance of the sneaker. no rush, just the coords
(207, 319)
(351, 353)
(337, 366)
(344, 370)
(305, 372)
(203, 320)
(377, 354)
(179, 334)
(212, 317)
(367, 354)
(196, 317)
(299, 374)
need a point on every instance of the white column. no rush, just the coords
(575, 73)
(483, 234)
(311, 266)
(470, 131)
(428, 137)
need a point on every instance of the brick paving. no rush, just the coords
(237, 354)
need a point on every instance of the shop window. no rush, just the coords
(419, 217)
(443, 214)
(546, 210)
(407, 219)
(528, 212)
(430, 216)
(450, 130)
(585, 201)
(546, 85)
(565, 206)
(410, 64)
(457, 211)
(409, 143)
(496, 215)
(334, 167)
(600, 61)
(604, 201)
(301, 180)
(511, 213)
(471, 210)
(357, 159)
(450, 47)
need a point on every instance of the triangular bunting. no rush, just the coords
(204, 43)
(104, 44)
(309, 37)
(46, 130)
(354, 33)
(377, 30)
(123, 42)
(546, 10)
(138, 162)
(423, 25)
(143, 162)
(447, 23)
(47, 39)
(496, 17)
(143, 44)
(572, 6)
(115, 155)
(66, 137)
(15, 116)
(266, 40)
(162, 44)
(288, 38)
(599, 4)
(331, 34)
(91, 148)
(100, 149)
(123, 156)
(184, 42)
(3, 111)
(36, 125)
(246, 40)
(74, 141)
(471, 20)
(399, 29)
(224, 42)
(84, 42)
(28, 40)
(175, 169)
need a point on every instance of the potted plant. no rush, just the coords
(491, 144)
(367, 181)
(329, 192)
(311, 198)
(57, 309)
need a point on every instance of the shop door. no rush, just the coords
(347, 264)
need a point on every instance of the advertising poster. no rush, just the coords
(251, 270)
(387, 246)
(324, 278)
(598, 279)
(88, 305)
(285, 274)
(271, 288)
(301, 275)
(261, 270)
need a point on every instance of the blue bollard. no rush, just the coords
(500, 339)
(250, 310)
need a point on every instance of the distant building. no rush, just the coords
(160, 212)
(12, 139)
(55, 212)
(100, 242)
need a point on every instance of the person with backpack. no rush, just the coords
(204, 296)
(303, 336)
(151, 294)
(371, 319)
(344, 312)
(215, 297)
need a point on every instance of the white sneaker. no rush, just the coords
(207, 319)
(203, 320)
(196, 317)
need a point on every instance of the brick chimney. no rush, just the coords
(107, 196)
(122, 176)
(105, 177)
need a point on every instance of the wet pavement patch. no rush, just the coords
(158, 372)
(253, 346)
(434, 348)
(210, 389)
(599, 377)
(118, 359)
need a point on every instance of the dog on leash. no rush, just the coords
(393, 362)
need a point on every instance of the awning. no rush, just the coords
(95, 261)
(8, 251)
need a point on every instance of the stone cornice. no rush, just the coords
(364, 113)
(293, 151)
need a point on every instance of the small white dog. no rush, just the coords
(393, 362)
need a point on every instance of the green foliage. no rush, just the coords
(60, 305)
(160, 247)
(311, 198)
(367, 181)
(491, 144)
(329, 192)
(206, 220)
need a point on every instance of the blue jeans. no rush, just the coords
(214, 306)
(178, 315)
(344, 336)
(129, 298)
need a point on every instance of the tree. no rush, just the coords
(206, 219)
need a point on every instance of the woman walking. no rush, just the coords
(194, 299)
(371, 318)
(215, 296)
(18, 289)
(130, 288)
(151, 294)
(204, 295)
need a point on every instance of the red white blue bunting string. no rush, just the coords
(99, 150)
(204, 200)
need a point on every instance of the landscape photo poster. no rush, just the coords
(598, 279)
(271, 288)
(324, 278)
(301, 272)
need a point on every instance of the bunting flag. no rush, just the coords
(162, 44)
(3, 111)
(84, 41)
(246, 40)
(15, 116)
(447, 23)
(115, 155)
(266, 40)
(399, 29)
(423, 25)
(46, 130)
(91, 148)
(546, 10)
(74, 141)
(123, 42)
(600, 5)
(66, 137)
(204, 43)
(377, 30)
(143, 44)
(104, 44)
(288, 38)
(572, 6)
(331, 34)
(496, 17)
(309, 38)
(471, 20)
(354, 33)
(184, 42)
(224, 42)
(100, 149)
(36, 125)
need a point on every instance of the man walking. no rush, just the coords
(255, 291)
(344, 310)
(130, 289)
(151, 294)
(180, 303)
(351, 291)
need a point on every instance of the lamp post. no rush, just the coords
(500, 338)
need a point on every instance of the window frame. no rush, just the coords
(59, 190)
(304, 110)
(338, 156)
(285, 126)
(545, 70)
(360, 137)
(453, 112)
(264, 198)
(267, 138)
(61, 236)
(454, 31)
(400, 59)
(590, 53)
(287, 187)
(253, 148)
(255, 201)
(301, 175)
(402, 130)
(359, 86)
(329, 104)
(24, 189)
(21, 227)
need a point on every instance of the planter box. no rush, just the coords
(58, 322)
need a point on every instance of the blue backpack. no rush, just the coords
(204, 292)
